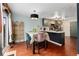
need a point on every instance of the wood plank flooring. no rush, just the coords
(69, 49)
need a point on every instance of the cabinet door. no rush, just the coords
(19, 30)
(57, 37)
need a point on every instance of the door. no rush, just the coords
(5, 29)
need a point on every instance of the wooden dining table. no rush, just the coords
(35, 33)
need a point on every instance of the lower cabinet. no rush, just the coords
(57, 37)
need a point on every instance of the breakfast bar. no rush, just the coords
(57, 37)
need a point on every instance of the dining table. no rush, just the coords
(35, 33)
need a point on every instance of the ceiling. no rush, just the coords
(44, 9)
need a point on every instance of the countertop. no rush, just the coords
(48, 31)
(55, 31)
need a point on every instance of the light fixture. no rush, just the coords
(34, 15)
(57, 17)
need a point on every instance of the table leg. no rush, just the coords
(38, 47)
(46, 44)
(33, 47)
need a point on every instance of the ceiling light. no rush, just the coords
(34, 15)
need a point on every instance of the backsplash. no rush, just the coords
(55, 25)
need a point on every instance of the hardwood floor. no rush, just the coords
(69, 49)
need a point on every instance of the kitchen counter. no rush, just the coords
(55, 31)
(57, 36)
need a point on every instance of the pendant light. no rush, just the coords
(34, 15)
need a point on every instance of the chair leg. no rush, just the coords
(27, 44)
(45, 44)
(38, 47)
(33, 47)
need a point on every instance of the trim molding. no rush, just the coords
(17, 41)
(55, 43)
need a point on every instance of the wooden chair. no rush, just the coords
(39, 41)
(28, 39)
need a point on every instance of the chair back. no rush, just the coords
(28, 37)
(41, 36)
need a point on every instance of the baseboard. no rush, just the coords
(17, 41)
(73, 36)
(55, 43)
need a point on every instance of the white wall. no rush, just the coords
(29, 24)
(73, 28)
(70, 27)
(66, 28)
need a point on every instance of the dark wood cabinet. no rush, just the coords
(57, 37)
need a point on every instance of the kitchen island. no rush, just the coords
(57, 37)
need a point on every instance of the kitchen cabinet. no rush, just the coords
(58, 37)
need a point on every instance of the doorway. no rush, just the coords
(5, 29)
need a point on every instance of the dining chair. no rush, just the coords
(28, 39)
(40, 40)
